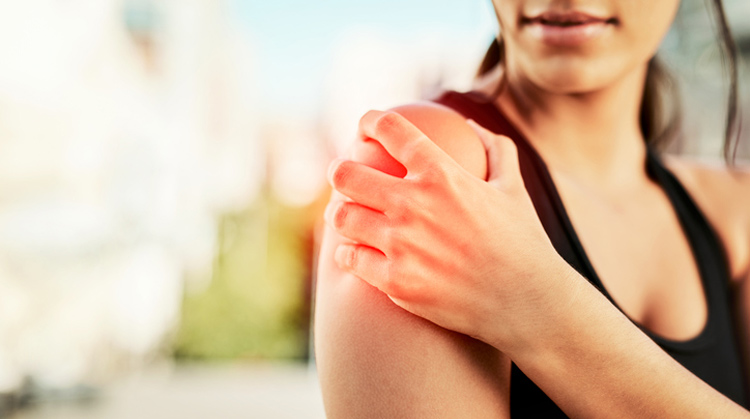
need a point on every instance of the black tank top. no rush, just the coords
(713, 355)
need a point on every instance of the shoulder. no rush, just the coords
(723, 194)
(375, 359)
(444, 126)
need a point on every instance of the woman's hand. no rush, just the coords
(465, 254)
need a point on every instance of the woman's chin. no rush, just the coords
(569, 81)
(576, 74)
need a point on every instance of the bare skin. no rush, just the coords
(377, 360)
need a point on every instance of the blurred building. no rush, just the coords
(126, 128)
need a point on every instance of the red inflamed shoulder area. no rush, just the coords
(443, 126)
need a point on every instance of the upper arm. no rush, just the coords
(375, 359)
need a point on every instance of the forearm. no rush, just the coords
(594, 362)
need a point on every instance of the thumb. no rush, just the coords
(502, 156)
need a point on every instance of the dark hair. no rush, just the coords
(661, 110)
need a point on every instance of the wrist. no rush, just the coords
(549, 313)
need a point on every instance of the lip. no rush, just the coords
(569, 16)
(567, 28)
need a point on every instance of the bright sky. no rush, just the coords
(294, 39)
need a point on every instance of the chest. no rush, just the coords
(640, 252)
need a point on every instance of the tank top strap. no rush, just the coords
(700, 230)
(708, 249)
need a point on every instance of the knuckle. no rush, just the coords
(394, 288)
(393, 283)
(402, 209)
(392, 241)
(436, 175)
(340, 214)
(416, 148)
(435, 184)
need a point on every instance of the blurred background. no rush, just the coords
(162, 180)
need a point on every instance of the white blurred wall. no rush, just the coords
(119, 146)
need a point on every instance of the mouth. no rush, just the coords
(567, 28)
(565, 19)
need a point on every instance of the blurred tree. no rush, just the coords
(256, 305)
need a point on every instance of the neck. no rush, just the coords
(593, 136)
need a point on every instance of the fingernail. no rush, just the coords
(330, 209)
(332, 168)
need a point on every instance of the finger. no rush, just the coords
(403, 141)
(502, 156)
(358, 223)
(365, 263)
(363, 184)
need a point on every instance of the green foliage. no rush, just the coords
(255, 305)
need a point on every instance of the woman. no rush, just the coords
(587, 276)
